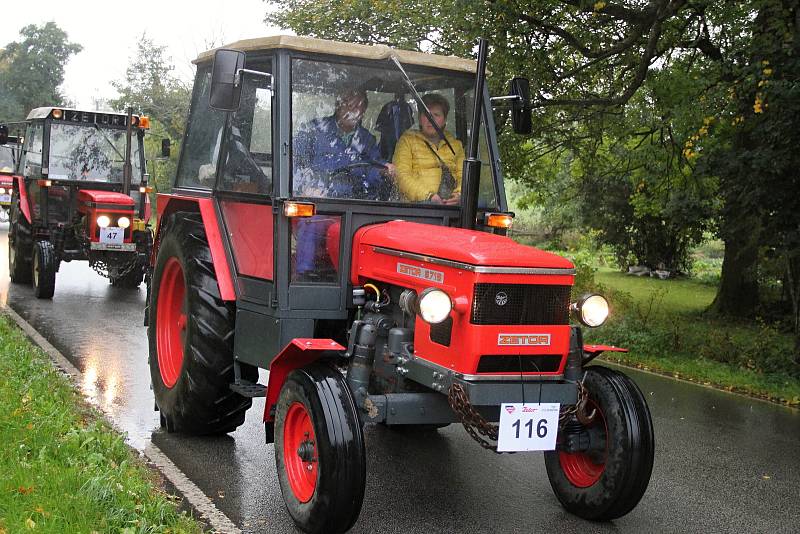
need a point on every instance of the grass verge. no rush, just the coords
(62, 468)
(664, 325)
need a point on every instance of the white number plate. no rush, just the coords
(528, 427)
(112, 235)
(5, 198)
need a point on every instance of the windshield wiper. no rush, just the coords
(122, 158)
(418, 98)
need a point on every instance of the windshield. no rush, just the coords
(8, 158)
(358, 134)
(91, 153)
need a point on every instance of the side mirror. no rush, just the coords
(3, 134)
(521, 105)
(225, 89)
(165, 148)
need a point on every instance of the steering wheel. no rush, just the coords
(346, 184)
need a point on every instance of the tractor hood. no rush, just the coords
(457, 244)
(104, 199)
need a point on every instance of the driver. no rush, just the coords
(336, 157)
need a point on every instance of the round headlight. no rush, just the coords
(434, 305)
(123, 222)
(103, 221)
(2, 190)
(592, 310)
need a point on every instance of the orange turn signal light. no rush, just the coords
(499, 220)
(145, 189)
(144, 123)
(57, 113)
(44, 183)
(299, 209)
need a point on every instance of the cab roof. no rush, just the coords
(338, 48)
(44, 112)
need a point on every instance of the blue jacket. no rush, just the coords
(319, 149)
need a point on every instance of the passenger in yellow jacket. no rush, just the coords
(421, 158)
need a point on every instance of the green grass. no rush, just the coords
(62, 468)
(664, 324)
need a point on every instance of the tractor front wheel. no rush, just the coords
(319, 450)
(607, 480)
(44, 270)
(190, 333)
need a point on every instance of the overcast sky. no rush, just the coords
(108, 32)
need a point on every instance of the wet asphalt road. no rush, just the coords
(723, 463)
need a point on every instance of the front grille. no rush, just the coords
(540, 363)
(495, 304)
(441, 332)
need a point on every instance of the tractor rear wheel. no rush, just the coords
(19, 246)
(44, 270)
(190, 334)
(319, 450)
(608, 480)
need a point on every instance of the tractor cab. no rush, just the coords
(338, 218)
(81, 195)
(278, 155)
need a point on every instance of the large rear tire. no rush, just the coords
(20, 246)
(608, 480)
(190, 336)
(319, 450)
(43, 270)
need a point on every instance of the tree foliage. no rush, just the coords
(32, 69)
(151, 88)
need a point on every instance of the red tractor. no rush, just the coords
(81, 194)
(288, 244)
(9, 158)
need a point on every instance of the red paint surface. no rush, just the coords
(167, 203)
(458, 244)
(299, 353)
(468, 342)
(104, 197)
(249, 229)
(24, 205)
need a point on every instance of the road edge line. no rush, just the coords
(198, 500)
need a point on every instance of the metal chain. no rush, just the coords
(477, 426)
(474, 423)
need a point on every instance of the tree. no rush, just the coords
(151, 88)
(32, 70)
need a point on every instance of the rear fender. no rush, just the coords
(168, 204)
(299, 353)
(24, 207)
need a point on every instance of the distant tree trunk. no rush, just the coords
(793, 286)
(738, 293)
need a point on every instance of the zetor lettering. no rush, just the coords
(523, 339)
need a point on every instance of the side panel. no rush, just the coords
(167, 204)
(251, 241)
(23, 197)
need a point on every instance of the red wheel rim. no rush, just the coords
(171, 322)
(300, 457)
(579, 467)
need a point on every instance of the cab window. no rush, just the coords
(248, 158)
(203, 138)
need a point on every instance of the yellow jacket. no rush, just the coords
(419, 171)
